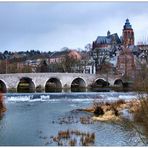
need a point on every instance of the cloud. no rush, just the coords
(53, 25)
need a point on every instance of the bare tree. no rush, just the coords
(100, 57)
(43, 67)
(88, 47)
(69, 64)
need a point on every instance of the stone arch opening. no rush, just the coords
(53, 85)
(118, 82)
(78, 84)
(3, 88)
(26, 85)
(101, 83)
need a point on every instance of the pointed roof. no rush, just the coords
(127, 24)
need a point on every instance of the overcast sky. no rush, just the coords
(49, 26)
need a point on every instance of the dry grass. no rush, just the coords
(74, 138)
(106, 106)
(140, 118)
(141, 115)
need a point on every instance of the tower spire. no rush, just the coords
(128, 34)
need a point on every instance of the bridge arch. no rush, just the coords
(26, 85)
(78, 84)
(3, 88)
(53, 85)
(100, 82)
(118, 82)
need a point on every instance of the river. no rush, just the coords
(31, 119)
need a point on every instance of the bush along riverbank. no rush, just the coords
(112, 111)
(2, 106)
(140, 118)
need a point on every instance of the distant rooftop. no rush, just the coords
(109, 39)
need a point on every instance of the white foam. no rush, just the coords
(19, 98)
(45, 97)
(35, 100)
(70, 97)
(127, 97)
(80, 100)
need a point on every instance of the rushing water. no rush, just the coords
(31, 119)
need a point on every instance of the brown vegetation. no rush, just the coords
(141, 115)
(110, 111)
(2, 107)
(74, 138)
(86, 120)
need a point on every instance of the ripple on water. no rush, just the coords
(29, 114)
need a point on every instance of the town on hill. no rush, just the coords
(110, 54)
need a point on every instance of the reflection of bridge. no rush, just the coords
(58, 80)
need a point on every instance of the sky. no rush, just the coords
(50, 26)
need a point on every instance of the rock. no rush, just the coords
(98, 111)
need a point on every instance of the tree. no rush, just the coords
(70, 63)
(43, 67)
(144, 49)
(100, 56)
(2, 66)
(64, 49)
(6, 52)
(12, 68)
(141, 77)
(88, 47)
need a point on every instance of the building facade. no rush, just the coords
(115, 50)
(57, 57)
(125, 63)
(103, 48)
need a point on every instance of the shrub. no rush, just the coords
(98, 111)
(39, 88)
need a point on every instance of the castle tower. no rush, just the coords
(128, 34)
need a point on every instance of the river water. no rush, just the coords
(31, 119)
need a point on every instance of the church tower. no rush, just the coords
(128, 34)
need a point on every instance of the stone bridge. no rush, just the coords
(58, 80)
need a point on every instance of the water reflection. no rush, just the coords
(26, 85)
(132, 130)
(53, 85)
(75, 89)
(53, 89)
